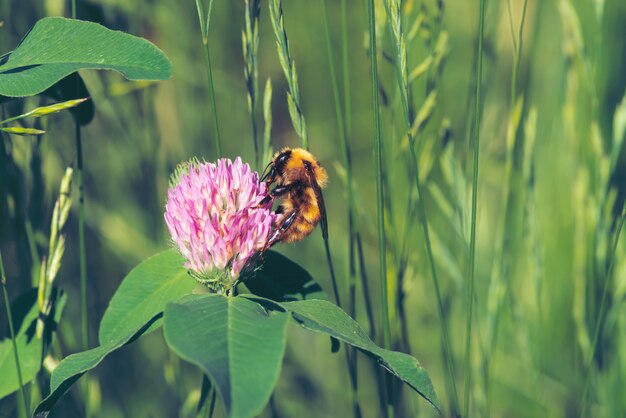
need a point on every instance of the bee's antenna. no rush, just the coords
(266, 172)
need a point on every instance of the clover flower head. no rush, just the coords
(214, 216)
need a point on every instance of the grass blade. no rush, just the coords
(472, 250)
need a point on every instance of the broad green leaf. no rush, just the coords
(144, 292)
(57, 47)
(235, 341)
(30, 349)
(327, 318)
(280, 279)
(75, 365)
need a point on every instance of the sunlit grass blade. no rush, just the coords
(289, 68)
(597, 329)
(18, 130)
(46, 110)
(414, 127)
(378, 160)
(342, 130)
(267, 117)
(472, 250)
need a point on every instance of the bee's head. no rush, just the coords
(277, 166)
(280, 161)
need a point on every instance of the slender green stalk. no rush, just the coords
(216, 128)
(378, 160)
(472, 251)
(7, 305)
(267, 118)
(518, 55)
(346, 67)
(204, 29)
(597, 329)
(395, 22)
(499, 255)
(81, 238)
(250, 42)
(81, 226)
(341, 127)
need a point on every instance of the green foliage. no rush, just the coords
(235, 341)
(57, 47)
(550, 266)
(144, 293)
(238, 342)
(327, 318)
(75, 365)
(25, 313)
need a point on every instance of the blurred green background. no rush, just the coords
(551, 188)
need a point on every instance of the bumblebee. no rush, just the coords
(299, 179)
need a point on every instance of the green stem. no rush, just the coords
(366, 292)
(341, 127)
(379, 190)
(7, 306)
(346, 67)
(379, 182)
(81, 240)
(81, 237)
(440, 309)
(404, 96)
(204, 30)
(599, 325)
(499, 256)
(472, 251)
(216, 128)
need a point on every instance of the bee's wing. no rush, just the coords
(320, 202)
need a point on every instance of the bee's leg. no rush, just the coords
(263, 202)
(276, 192)
(280, 190)
(282, 228)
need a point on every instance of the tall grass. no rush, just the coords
(545, 333)
(414, 125)
(81, 225)
(499, 286)
(472, 249)
(250, 43)
(205, 20)
(378, 164)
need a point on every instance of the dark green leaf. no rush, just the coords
(57, 47)
(281, 279)
(25, 312)
(235, 341)
(144, 292)
(75, 365)
(327, 318)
